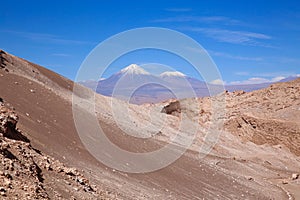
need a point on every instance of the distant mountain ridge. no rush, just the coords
(135, 84)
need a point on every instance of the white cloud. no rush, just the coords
(257, 80)
(45, 37)
(254, 80)
(278, 78)
(270, 75)
(202, 19)
(218, 82)
(234, 37)
(235, 57)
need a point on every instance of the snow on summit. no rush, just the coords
(172, 74)
(134, 69)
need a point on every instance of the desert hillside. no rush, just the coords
(27, 173)
(256, 155)
(268, 116)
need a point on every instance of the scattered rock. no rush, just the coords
(267, 162)
(81, 181)
(295, 176)
(266, 116)
(284, 182)
(239, 92)
(159, 133)
(8, 122)
(172, 108)
(71, 171)
(23, 167)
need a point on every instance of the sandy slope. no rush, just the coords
(27, 173)
(237, 169)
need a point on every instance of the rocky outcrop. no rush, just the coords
(2, 60)
(26, 173)
(8, 122)
(269, 116)
(266, 131)
(173, 108)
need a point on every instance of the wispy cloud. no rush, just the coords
(48, 38)
(218, 82)
(257, 80)
(270, 75)
(178, 9)
(267, 76)
(234, 57)
(254, 79)
(230, 36)
(219, 34)
(201, 19)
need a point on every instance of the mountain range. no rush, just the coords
(138, 86)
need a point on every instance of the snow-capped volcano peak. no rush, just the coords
(134, 69)
(172, 74)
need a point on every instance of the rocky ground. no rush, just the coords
(258, 127)
(268, 116)
(27, 173)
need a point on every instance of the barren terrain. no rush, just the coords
(255, 157)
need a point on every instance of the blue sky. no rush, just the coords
(249, 41)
